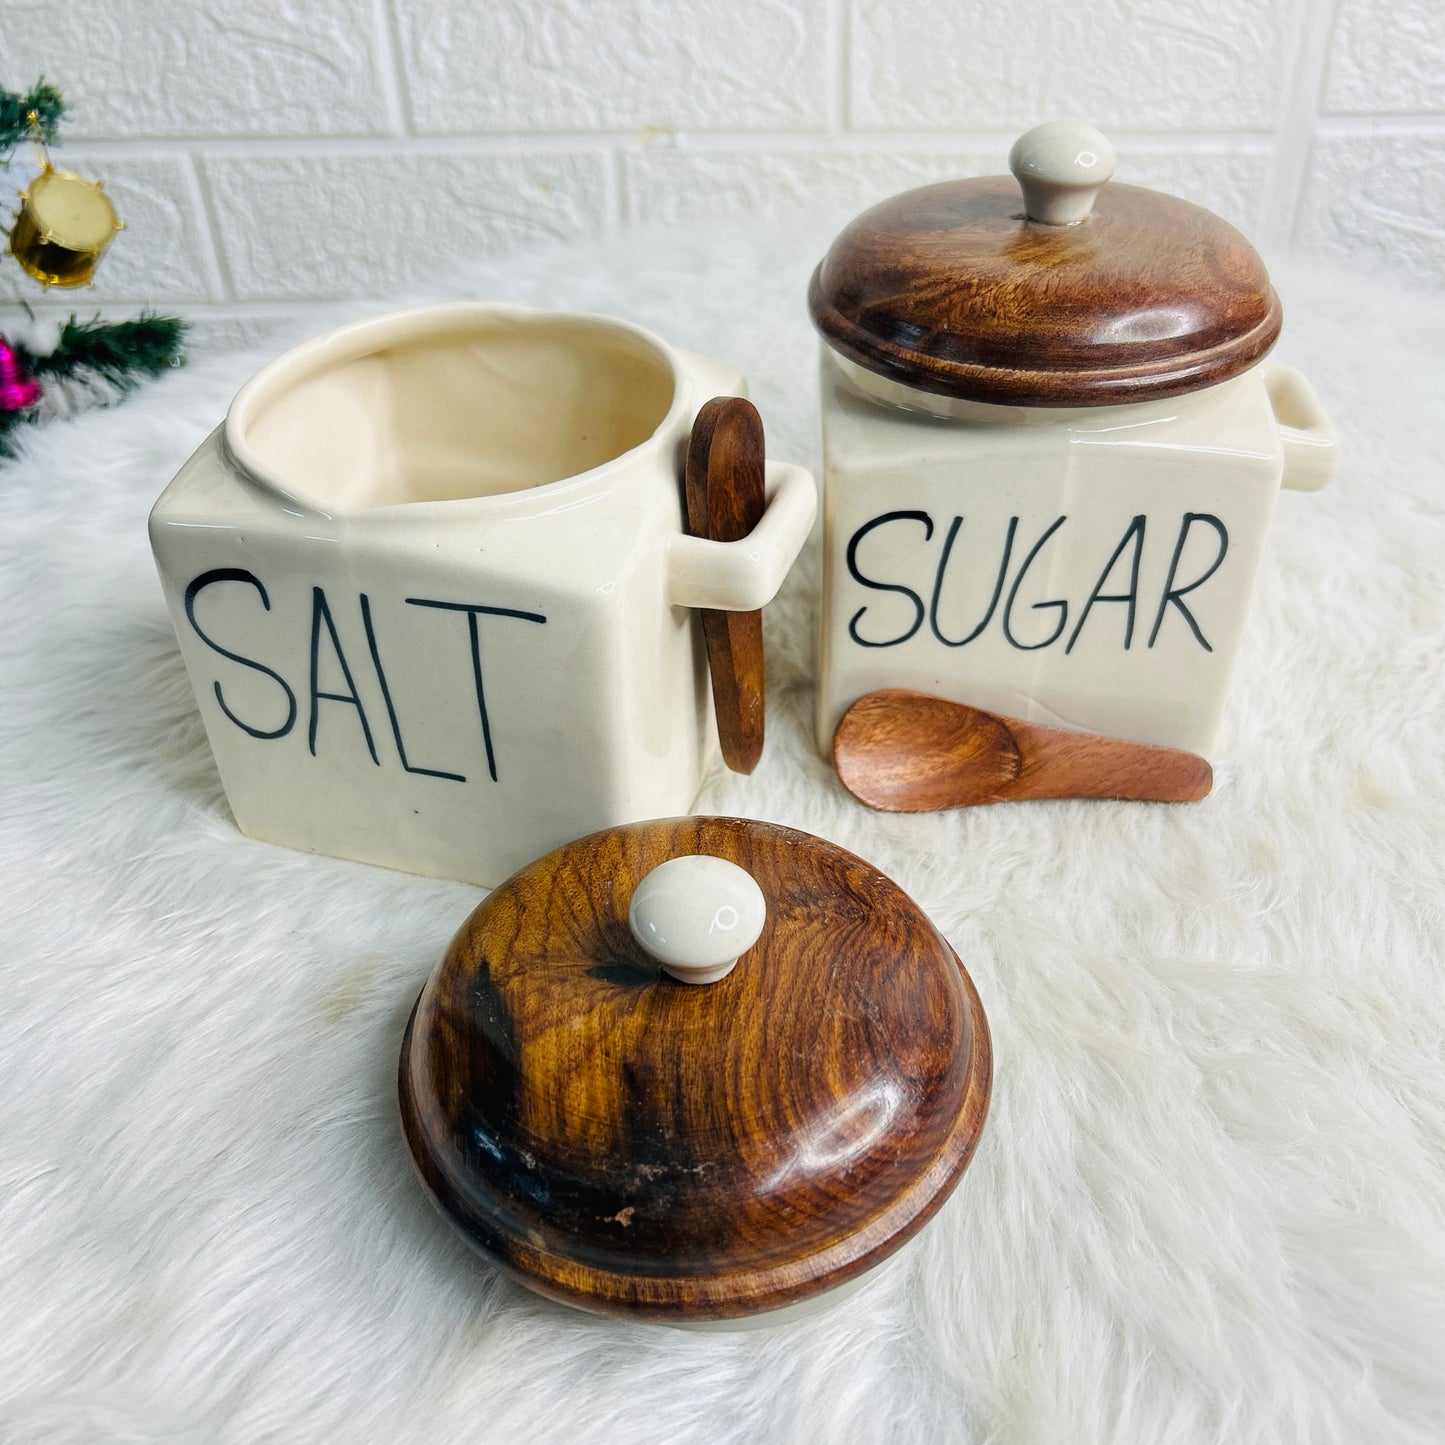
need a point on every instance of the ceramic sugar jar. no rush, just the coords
(1052, 448)
(437, 598)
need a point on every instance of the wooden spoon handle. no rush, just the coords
(1062, 763)
(725, 500)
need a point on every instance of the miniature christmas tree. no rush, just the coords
(91, 362)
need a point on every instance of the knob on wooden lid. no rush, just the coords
(631, 1145)
(1054, 287)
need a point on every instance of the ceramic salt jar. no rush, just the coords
(437, 581)
(1052, 447)
(694, 1071)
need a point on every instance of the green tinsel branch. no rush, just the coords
(16, 108)
(110, 358)
(121, 353)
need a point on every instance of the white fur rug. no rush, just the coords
(1210, 1202)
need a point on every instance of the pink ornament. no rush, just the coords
(17, 391)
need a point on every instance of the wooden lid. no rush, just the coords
(631, 1145)
(1051, 288)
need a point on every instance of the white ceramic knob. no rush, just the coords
(697, 916)
(1060, 167)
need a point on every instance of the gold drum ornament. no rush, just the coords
(63, 227)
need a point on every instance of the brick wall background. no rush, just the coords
(277, 150)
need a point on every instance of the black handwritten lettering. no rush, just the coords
(473, 611)
(1008, 546)
(1037, 606)
(238, 574)
(1176, 594)
(321, 612)
(1136, 533)
(390, 705)
(919, 610)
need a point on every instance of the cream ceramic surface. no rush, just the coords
(697, 916)
(431, 586)
(1089, 567)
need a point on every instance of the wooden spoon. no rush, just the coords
(723, 487)
(907, 752)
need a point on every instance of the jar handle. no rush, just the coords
(743, 576)
(1306, 436)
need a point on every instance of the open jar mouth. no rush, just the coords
(445, 403)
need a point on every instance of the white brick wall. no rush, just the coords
(279, 150)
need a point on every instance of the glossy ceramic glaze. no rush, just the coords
(432, 587)
(1085, 565)
(697, 916)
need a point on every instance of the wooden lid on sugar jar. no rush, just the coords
(628, 1143)
(1053, 288)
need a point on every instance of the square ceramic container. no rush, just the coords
(432, 587)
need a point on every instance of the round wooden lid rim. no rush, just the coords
(739, 1292)
(1045, 387)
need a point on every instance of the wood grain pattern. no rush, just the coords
(951, 290)
(725, 501)
(636, 1146)
(908, 752)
